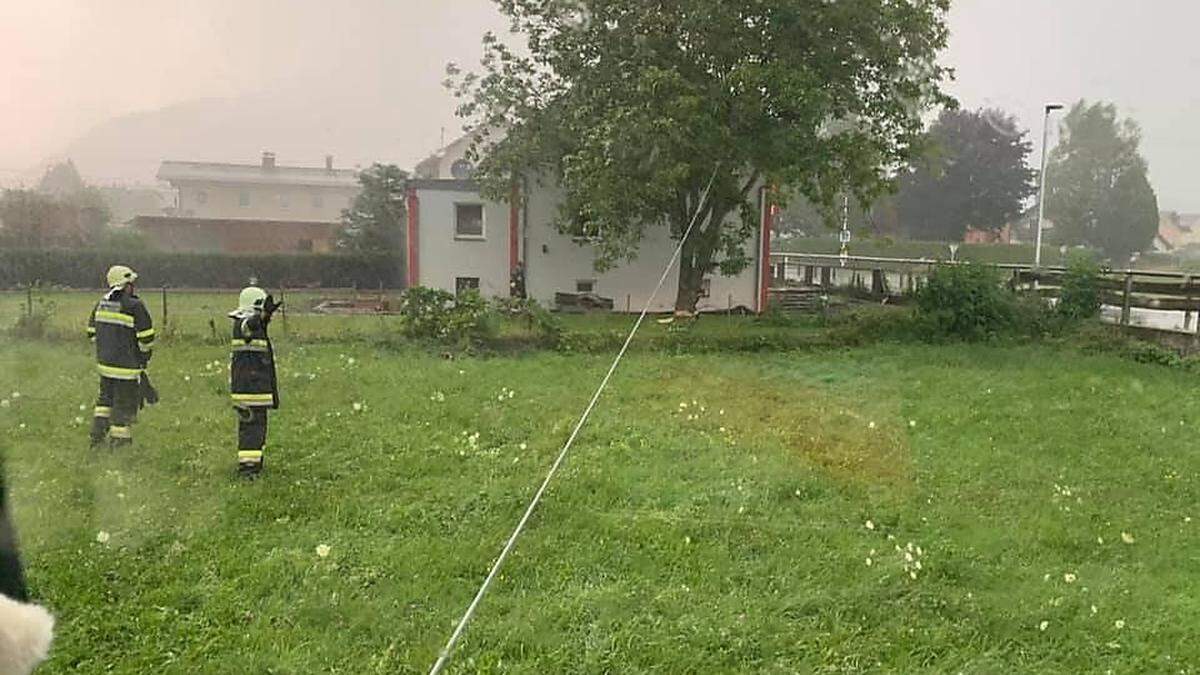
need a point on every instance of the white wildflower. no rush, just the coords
(323, 551)
(871, 425)
(102, 537)
(912, 423)
(687, 540)
(1100, 540)
(82, 407)
(523, 446)
(1119, 623)
(358, 407)
(912, 575)
(1069, 578)
(1127, 538)
(16, 395)
(1043, 626)
(869, 563)
(869, 525)
(1094, 609)
(683, 406)
(721, 412)
(4, 403)
(78, 420)
(350, 361)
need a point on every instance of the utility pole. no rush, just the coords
(1037, 251)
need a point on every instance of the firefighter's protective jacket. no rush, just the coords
(121, 327)
(252, 369)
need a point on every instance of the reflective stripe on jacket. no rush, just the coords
(124, 335)
(252, 381)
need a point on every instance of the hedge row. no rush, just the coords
(85, 269)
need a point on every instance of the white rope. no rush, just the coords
(448, 650)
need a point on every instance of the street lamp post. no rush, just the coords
(1037, 251)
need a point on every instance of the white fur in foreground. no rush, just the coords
(25, 635)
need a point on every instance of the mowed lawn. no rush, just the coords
(884, 509)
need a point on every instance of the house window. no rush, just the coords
(318, 201)
(202, 197)
(465, 284)
(243, 199)
(304, 245)
(468, 221)
(705, 287)
(585, 286)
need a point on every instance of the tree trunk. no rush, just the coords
(696, 259)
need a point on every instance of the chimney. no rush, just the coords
(268, 160)
(329, 162)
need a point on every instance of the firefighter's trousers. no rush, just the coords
(116, 410)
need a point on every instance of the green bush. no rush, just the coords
(34, 320)
(434, 314)
(538, 320)
(1079, 297)
(967, 302)
(86, 268)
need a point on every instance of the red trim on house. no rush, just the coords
(514, 230)
(412, 240)
(764, 254)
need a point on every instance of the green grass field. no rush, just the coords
(977, 509)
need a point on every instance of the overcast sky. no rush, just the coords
(69, 66)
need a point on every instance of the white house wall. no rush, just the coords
(555, 263)
(443, 258)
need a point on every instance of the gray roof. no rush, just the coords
(214, 172)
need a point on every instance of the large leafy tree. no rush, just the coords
(32, 219)
(975, 176)
(1098, 192)
(632, 108)
(375, 221)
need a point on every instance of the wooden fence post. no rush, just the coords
(164, 306)
(1128, 299)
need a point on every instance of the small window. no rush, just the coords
(243, 198)
(202, 197)
(468, 221)
(304, 245)
(465, 284)
(585, 286)
(318, 201)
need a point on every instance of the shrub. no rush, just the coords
(85, 269)
(434, 314)
(538, 320)
(966, 301)
(1079, 297)
(34, 319)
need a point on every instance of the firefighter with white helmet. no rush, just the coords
(252, 376)
(121, 327)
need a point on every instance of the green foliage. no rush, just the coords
(34, 320)
(123, 240)
(634, 108)
(967, 302)
(540, 321)
(36, 220)
(1098, 192)
(434, 314)
(976, 177)
(1079, 295)
(85, 269)
(375, 222)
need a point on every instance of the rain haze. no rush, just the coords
(120, 86)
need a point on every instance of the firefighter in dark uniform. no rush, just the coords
(124, 336)
(252, 376)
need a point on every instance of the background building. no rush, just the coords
(248, 208)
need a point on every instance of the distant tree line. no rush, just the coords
(977, 175)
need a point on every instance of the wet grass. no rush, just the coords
(761, 513)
